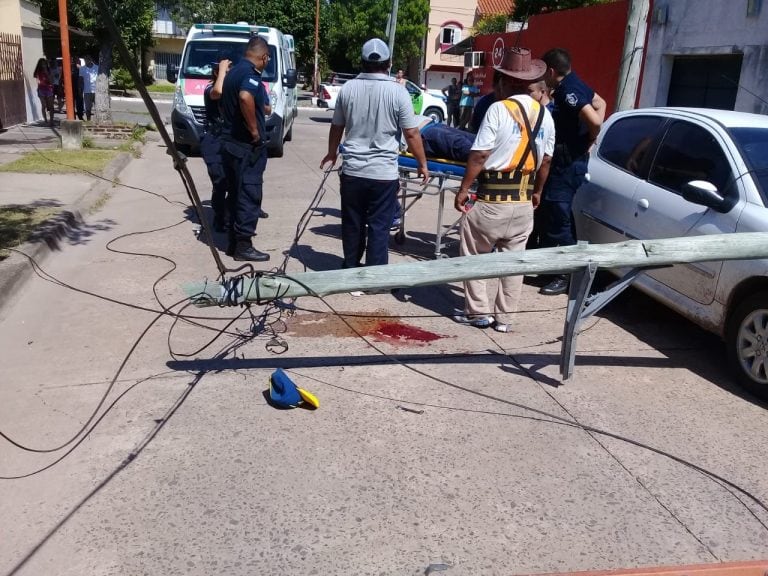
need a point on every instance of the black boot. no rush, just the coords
(244, 252)
(263, 214)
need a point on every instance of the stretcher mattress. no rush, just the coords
(434, 165)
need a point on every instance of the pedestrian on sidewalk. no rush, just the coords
(578, 114)
(467, 102)
(58, 84)
(452, 94)
(510, 158)
(88, 76)
(210, 145)
(77, 90)
(372, 110)
(44, 90)
(244, 139)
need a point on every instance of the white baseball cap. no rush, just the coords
(375, 50)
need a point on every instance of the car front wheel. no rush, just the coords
(435, 113)
(747, 341)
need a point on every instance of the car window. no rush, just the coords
(753, 143)
(689, 152)
(413, 90)
(628, 143)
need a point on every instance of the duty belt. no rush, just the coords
(504, 186)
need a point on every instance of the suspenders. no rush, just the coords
(527, 145)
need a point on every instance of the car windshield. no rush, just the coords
(200, 56)
(753, 143)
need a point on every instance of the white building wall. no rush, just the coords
(32, 51)
(707, 27)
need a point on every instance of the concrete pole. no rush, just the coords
(632, 55)
(561, 260)
(393, 27)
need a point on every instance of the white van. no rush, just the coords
(210, 43)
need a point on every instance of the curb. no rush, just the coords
(16, 269)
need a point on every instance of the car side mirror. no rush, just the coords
(291, 78)
(705, 194)
(172, 73)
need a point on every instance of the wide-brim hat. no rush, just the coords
(283, 393)
(518, 63)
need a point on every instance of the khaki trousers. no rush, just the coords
(506, 227)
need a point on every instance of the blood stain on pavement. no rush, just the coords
(380, 325)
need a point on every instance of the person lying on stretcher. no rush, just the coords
(443, 142)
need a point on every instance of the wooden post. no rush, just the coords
(561, 260)
(66, 61)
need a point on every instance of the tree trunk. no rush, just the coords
(103, 112)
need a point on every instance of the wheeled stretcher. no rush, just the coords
(444, 176)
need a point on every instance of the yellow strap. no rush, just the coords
(515, 110)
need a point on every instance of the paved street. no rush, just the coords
(435, 443)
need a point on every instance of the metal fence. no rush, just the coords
(12, 107)
(162, 61)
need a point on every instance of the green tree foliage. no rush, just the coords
(352, 22)
(526, 8)
(494, 24)
(295, 17)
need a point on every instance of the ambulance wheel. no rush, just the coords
(289, 134)
(277, 149)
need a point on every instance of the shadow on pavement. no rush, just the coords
(684, 344)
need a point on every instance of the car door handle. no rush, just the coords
(643, 203)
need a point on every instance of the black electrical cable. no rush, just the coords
(559, 419)
(98, 405)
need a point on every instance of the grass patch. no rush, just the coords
(61, 161)
(162, 88)
(17, 222)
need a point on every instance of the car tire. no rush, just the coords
(276, 150)
(746, 339)
(435, 113)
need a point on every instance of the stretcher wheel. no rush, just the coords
(400, 237)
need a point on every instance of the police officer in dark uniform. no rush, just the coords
(578, 114)
(210, 145)
(244, 147)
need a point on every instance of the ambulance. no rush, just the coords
(209, 43)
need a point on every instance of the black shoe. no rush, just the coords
(263, 214)
(250, 254)
(558, 286)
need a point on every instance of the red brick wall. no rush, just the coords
(594, 36)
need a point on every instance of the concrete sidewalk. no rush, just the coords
(71, 196)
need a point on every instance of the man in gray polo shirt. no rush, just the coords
(373, 109)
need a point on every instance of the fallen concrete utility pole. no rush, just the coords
(581, 261)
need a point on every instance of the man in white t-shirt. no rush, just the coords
(88, 75)
(510, 158)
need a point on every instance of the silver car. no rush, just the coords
(670, 172)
